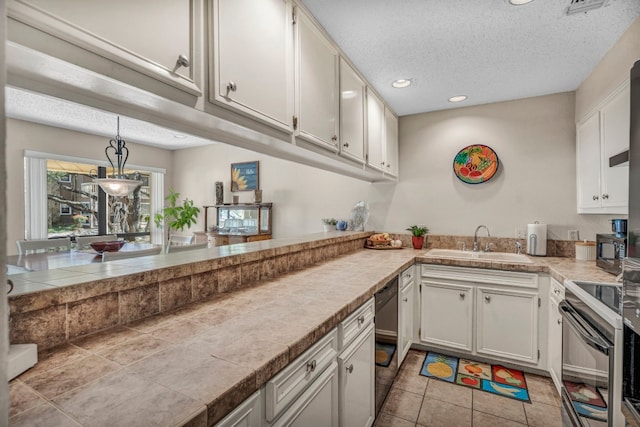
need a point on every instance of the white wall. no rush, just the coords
(23, 135)
(536, 181)
(301, 195)
(610, 72)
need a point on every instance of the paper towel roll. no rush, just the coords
(537, 239)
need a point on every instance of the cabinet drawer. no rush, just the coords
(556, 291)
(286, 386)
(357, 322)
(406, 277)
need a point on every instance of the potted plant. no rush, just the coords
(329, 224)
(177, 216)
(418, 234)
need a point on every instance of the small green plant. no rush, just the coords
(330, 221)
(417, 230)
(177, 217)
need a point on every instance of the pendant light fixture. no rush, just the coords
(117, 186)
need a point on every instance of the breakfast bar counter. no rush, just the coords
(193, 364)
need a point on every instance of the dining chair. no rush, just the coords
(183, 248)
(83, 241)
(177, 240)
(112, 256)
(43, 245)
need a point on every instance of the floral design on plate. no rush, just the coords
(475, 164)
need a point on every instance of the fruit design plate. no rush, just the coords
(475, 164)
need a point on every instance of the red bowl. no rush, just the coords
(112, 246)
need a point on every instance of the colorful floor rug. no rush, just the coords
(384, 354)
(481, 376)
(587, 400)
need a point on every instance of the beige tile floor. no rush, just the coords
(418, 401)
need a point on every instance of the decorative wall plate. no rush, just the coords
(475, 164)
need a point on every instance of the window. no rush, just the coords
(62, 200)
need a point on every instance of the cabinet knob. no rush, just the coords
(487, 298)
(405, 299)
(231, 86)
(350, 368)
(334, 138)
(595, 197)
(346, 144)
(462, 295)
(361, 320)
(311, 366)
(388, 165)
(382, 163)
(559, 321)
(605, 196)
(183, 60)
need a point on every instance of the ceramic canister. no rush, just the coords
(586, 251)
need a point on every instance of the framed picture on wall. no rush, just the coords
(245, 176)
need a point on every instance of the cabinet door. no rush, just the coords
(352, 90)
(405, 316)
(555, 344)
(447, 315)
(317, 406)
(317, 103)
(391, 142)
(507, 324)
(247, 414)
(357, 381)
(375, 131)
(131, 33)
(588, 163)
(253, 58)
(615, 124)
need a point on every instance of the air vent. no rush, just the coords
(580, 6)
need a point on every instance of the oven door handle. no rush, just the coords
(593, 340)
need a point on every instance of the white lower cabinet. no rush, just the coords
(489, 313)
(447, 315)
(507, 324)
(317, 406)
(406, 312)
(357, 381)
(330, 384)
(247, 414)
(555, 333)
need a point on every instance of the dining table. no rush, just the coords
(51, 260)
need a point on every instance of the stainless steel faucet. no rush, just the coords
(475, 237)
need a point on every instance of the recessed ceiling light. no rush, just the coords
(519, 2)
(179, 136)
(458, 98)
(400, 83)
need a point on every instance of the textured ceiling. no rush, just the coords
(488, 50)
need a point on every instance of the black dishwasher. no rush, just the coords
(386, 353)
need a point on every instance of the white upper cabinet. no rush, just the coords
(152, 37)
(603, 189)
(382, 136)
(317, 102)
(391, 142)
(252, 58)
(375, 131)
(352, 108)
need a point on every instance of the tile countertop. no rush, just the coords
(193, 365)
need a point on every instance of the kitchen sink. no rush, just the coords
(484, 256)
